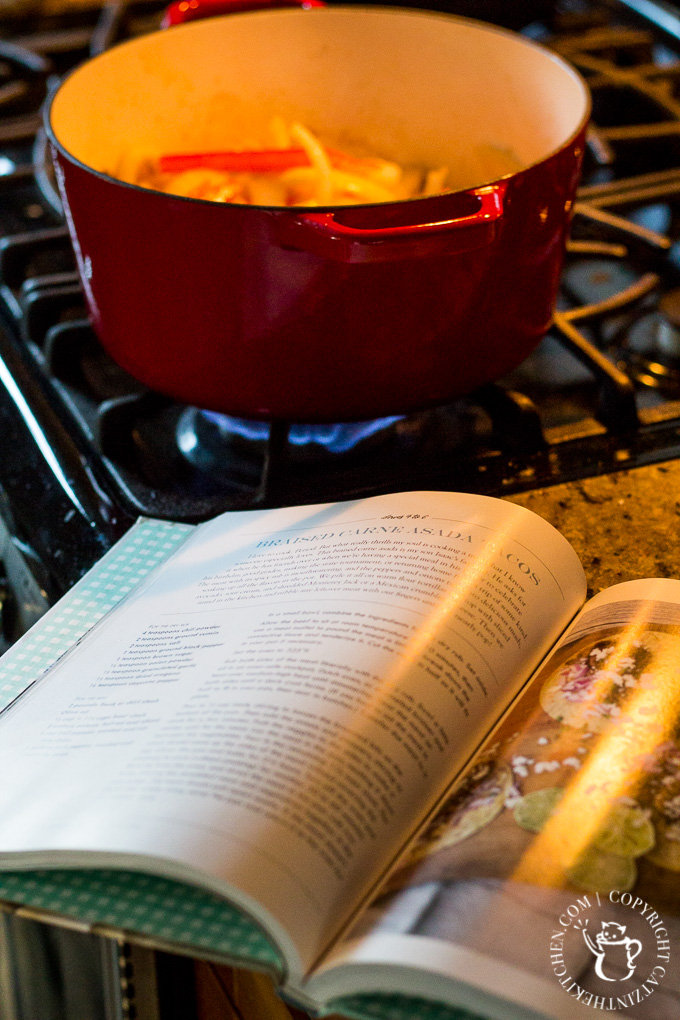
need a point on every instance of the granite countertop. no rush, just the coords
(623, 526)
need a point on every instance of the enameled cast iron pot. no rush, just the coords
(325, 314)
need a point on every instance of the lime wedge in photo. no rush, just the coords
(666, 853)
(598, 871)
(535, 808)
(627, 832)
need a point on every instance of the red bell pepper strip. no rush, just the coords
(261, 161)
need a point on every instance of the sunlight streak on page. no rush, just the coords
(615, 769)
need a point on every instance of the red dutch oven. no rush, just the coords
(334, 313)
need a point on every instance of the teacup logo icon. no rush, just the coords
(612, 948)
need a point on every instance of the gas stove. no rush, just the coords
(85, 449)
(88, 449)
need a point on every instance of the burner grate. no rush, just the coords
(601, 392)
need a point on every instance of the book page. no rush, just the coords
(551, 876)
(287, 696)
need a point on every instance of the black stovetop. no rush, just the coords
(86, 449)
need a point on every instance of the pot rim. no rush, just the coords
(444, 197)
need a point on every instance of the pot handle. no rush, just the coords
(321, 234)
(191, 10)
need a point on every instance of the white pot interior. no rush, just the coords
(418, 88)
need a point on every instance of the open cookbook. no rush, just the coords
(378, 749)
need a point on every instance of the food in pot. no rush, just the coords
(298, 171)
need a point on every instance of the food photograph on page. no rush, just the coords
(288, 261)
(570, 809)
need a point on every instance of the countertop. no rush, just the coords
(623, 526)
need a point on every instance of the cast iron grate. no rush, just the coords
(601, 392)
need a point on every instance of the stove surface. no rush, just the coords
(88, 448)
